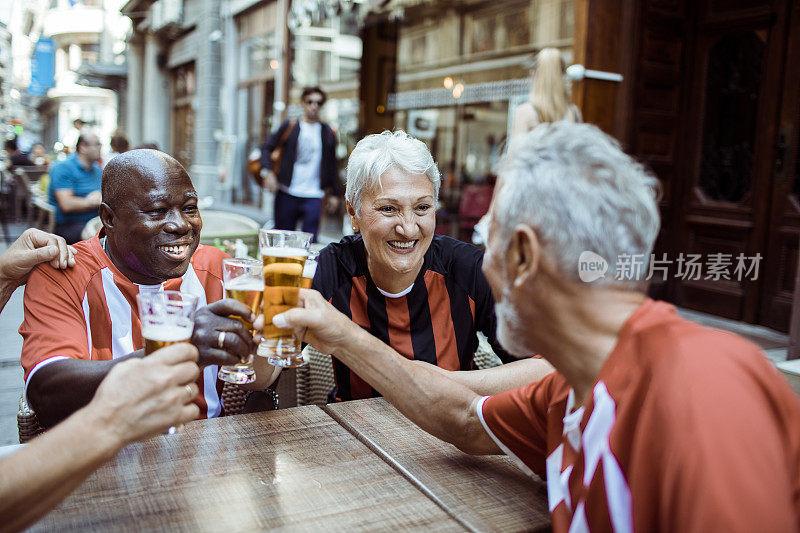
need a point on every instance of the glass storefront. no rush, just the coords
(466, 142)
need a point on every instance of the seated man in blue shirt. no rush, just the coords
(75, 188)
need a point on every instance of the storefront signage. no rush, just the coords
(42, 67)
(494, 91)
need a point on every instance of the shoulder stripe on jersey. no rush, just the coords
(442, 321)
(120, 312)
(86, 318)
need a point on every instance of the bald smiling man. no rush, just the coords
(81, 322)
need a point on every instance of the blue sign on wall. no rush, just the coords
(43, 67)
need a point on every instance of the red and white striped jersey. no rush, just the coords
(90, 312)
(685, 429)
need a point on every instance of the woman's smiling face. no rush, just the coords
(396, 221)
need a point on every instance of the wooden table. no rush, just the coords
(354, 466)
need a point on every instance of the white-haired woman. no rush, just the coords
(420, 293)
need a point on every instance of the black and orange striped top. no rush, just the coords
(436, 321)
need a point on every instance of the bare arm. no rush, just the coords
(441, 406)
(501, 378)
(524, 119)
(47, 469)
(69, 203)
(60, 388)
(266, 374)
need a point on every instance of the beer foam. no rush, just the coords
(244, 283)
(167, 332)
(277, 251)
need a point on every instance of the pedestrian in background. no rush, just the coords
(548, 100)
(307, 170)
(75, 188)
(16, 157)
(119, 145)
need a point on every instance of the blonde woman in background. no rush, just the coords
(549, 101)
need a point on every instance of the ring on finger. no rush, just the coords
(190, 391)
(221, 340)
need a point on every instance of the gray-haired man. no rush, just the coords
(651, 422)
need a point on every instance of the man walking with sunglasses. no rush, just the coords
(307, 170)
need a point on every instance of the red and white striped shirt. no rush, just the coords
(685, 429)
(90, 312)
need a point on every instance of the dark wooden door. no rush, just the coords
(784, 217)
(735, 67)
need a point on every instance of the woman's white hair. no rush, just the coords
(377, 153)
(579, 191)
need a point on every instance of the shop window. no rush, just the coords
(90, 53)
(499, 31)
(567, 19)
(259, 51)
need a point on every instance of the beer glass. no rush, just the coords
(243, 280)
(167, 318)
(283, 255)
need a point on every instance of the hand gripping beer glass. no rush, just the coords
(243, 280)
(167, 318)
(283, 254)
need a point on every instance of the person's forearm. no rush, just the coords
(442, 407)
(59, 389)
(266, 374)
(36, 478)
(501, 378)
(75, 204)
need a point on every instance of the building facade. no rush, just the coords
(710, 101)
(174, 79)
(82, 34)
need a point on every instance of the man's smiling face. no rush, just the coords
(156, 223)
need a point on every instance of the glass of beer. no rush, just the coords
(283, 255)
(167, 318)
(243, 280)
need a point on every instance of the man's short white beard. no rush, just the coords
(510, 326)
